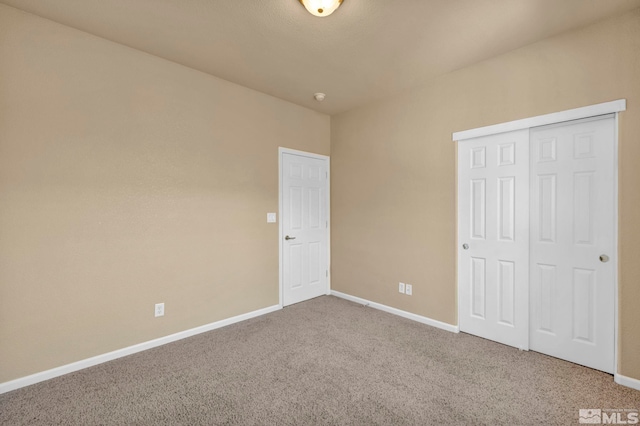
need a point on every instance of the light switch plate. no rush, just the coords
(271, 218)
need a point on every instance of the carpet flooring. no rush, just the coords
(326, 361)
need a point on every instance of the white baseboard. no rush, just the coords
(109, 356)
(99, 359)
(399, 312)
(618, 378)
(627, 381)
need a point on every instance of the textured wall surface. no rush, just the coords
(127, 180)
(366, 50)
(394, 168)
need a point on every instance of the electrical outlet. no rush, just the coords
(408, 289)
(159, 309)
(401, 287)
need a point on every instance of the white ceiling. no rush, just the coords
(366, 50)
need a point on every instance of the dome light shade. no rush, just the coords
(321, 8)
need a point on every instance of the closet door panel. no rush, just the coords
(493, 260)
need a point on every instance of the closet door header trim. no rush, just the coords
(543, 120)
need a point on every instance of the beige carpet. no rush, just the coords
(325, 361)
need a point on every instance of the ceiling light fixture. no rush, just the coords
(321, 8)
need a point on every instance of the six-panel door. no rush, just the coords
(572, 226)
(305, 227)
(493, 234)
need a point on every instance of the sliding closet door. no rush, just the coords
(493, 233)
(572, 242)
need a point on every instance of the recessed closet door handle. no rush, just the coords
(465, 246)
(604, 258)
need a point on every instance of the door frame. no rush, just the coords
(614, 107)
(281, 151)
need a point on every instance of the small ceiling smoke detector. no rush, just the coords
(319, 97)
(321, 8)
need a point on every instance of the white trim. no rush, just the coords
(543, 120)
(418, 318)
(626, 381)
(110, 356)
(616, 284)
(280, 283)
(328, 226)
(613, 107)
(282, 150)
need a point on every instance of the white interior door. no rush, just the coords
(572, 242)
(305, 226)
(493, 232)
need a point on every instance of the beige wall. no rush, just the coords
(127, 180)
(393, 167)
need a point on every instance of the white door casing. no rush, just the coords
(572, 290)
(493, 236)
(304, 226)
(575, 313)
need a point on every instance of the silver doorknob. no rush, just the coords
(604, 258)
(289, 238)
(465, 246)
